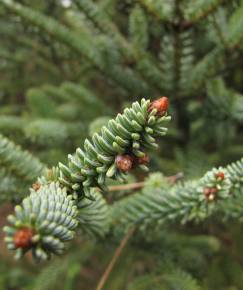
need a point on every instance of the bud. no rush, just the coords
(143, 160)
(220, 175)
(124, 162)
(210, 193)
(161, 105)
(36, 186)
(23, 238)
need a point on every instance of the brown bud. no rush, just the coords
(22, 238)
(124, 162)
(206, 191)
(36, 186)
(143, 160)
(161, 105)
(220, 175)
(210, 193)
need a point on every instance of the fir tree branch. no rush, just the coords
(48, 217)
(90, 47)
(18, 161)
(234, 34)
(145, 64)
(160, 10)
(138, 185)
(194, 201)
(201, 9)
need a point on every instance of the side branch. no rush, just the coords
(114, 259)
(138, 185)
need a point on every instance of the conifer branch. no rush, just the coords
(138, 185)
(56, 205)
(18, 161)
(201, 9)
(90, 48)
(194, 201)
(145, 64)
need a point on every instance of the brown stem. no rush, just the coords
(130, 186)
(115, 258)
(137, 185)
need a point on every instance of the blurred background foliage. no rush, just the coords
(66, 67)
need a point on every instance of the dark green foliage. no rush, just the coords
(68, 67)
(167, 281)
(20, 162)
